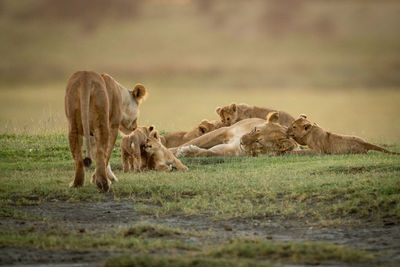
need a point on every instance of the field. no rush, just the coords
(337, 62)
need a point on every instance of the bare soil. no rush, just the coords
(381, 238)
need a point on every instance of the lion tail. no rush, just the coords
(85, 103)
(370, 146)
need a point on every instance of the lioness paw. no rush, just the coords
(187, 151)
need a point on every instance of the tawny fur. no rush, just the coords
(320, 141)
(133, 156)
(236, 112)
(178, 138)
(227, 141)
(96, 106)
(161, 159)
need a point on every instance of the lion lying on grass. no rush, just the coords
(161, 159)
(97, 106)
(237, 112)
(178, 138)
(133, 155)
(323, 142)
(247, 137)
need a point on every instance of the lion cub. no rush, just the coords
(321, 141)
(237, 112)
(161, 159)
(132, 149)
(178, 138)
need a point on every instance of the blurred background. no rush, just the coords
(336, 61)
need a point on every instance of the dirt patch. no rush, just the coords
(381, 239)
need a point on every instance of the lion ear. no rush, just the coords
(139, 92)
(203, 129)
(302, 116)
(151, 128)
(233, 107)
(272, 117)
(155, 135)
(218, 110)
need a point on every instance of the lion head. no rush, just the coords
(153, 142)
(228, 114)
(270, 138)
(299, 129)
(203, 127)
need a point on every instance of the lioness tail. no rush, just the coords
(85, 102)
(378, 148)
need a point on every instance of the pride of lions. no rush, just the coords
(97, 106)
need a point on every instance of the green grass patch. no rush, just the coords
(306, 252)
(136, 238)
(252, 253)
(318, 187)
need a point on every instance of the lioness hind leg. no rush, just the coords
(101, 135)
(75, 145)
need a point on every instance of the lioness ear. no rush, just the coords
(307, 126)
(218, 110)
(302, 116)
(151, 128)
(272, 117)
(233, 107)
(139, 92)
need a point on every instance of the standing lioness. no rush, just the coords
(97, 106)
(320, 141)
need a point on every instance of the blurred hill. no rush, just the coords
(232, 44)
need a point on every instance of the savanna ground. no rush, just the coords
(337, 62)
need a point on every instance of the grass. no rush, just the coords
(117, 240)
(336, 62)
(252, 253)
(332, 191)
(317, 187)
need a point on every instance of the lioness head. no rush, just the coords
(270, 138)
(228, 114)
(203, 127)
(130, 108)
(299, 129)
(153, 142)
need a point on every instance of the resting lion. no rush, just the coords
(237, 112)
(247, 137)
(178, 138)
(97, 106)
(132, 149)
(161, 159)
(323, 142)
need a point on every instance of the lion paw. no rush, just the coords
(187, 151)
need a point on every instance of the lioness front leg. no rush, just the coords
(194, 151)
(110, 147)
(210, 139)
